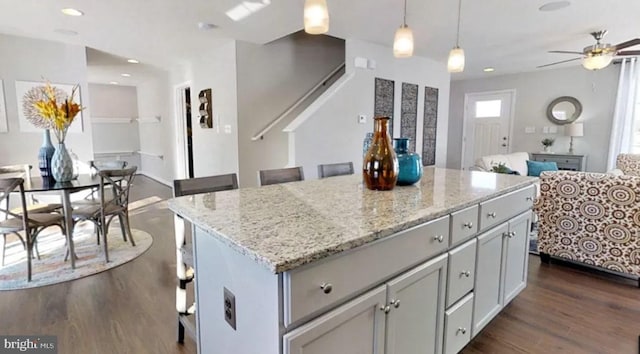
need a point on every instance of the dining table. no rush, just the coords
(65, 189)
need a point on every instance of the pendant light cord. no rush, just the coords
(459, 12)
(404, 19)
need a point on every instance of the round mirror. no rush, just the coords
(564, 110)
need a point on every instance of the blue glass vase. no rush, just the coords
(45, 154)
(410, 163)
(61, 164)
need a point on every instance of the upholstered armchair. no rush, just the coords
(592, 218)
(628, 164)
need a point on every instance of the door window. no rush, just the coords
(488, 109)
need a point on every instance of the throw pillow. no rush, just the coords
(535, 168)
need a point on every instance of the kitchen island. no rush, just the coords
(327, 266)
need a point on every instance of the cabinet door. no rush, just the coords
(488, 292)
(415, 322)
(516, 256)
(358, 327)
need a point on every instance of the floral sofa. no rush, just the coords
(591, 218)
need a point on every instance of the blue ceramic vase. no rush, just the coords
(410, 163)
(61, 164)
(45, 154)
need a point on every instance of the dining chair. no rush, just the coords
(95, 167)
(31, 223)
(335, 169)
(101, 214)
(33, 204)
(184, 251)
(281, 175)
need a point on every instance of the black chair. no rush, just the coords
(335, 169)
(281, 175)
(184, 251)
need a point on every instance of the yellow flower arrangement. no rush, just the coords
(60, 115)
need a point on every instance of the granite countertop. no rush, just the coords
(284, 226)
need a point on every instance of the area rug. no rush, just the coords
(51, 267)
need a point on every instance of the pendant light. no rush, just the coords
(316, 17)
(403, 41)
(455, 64)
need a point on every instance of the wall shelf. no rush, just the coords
(158, 156)
(107, 120)
(156, 119)
(114, 153)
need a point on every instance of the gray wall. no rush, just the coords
(109, 102)
(270, 78)
(332, 134)
(26, 59)
(596, 90)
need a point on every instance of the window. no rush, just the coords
(488, 109)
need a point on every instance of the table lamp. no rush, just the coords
(573, 130)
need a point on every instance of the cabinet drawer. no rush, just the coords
(319, 286)
(462, 271)
(561, 160)
(497, 210)
(464, 224)
(457, 325)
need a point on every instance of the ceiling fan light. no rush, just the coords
(316, 17)
(597, 62)
(403, 42)
(455, 64)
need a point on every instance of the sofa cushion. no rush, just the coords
(537, 167)
(518, 162)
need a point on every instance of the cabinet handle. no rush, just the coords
(465, 273)
(492, 215)
(326, 288)
(385, 309)
(395, 303)
(438, 238)
(468, 225)
(462, 330)
(509, 234)
(529, 199)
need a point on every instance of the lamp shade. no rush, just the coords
(597, 62)
(316, 17)
(456, 60)
(575, 129)
(403, 42)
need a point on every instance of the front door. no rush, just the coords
(487, 125)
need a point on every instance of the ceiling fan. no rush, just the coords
(599, 55)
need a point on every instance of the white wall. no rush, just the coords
(25, 59)
(271, 78)
(215, 152)
(112, 138)
(153, 96)
(333, 134)
(596, 90)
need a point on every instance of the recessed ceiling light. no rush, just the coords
(66, 32)
(489, 70)
(133, 61)
(206, 26)
(113, 82)
(72, 12)
(554, 5)
(125, 75)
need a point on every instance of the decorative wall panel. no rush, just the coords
(409, 114)
(383, 101)
(430, 125)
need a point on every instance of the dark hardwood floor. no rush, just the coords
(131, 309)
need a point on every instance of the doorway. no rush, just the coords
(184, 132)
(487, 125)
(189, 131)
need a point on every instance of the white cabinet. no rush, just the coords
(416, 309)
(501, 268)
(405, 316)
(457, 325)
(356, 327)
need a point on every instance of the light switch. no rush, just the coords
(545, 130)
(529, 130)
(362, 119)
(553, 129)
(227, 129)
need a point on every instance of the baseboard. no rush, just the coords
(156, 178)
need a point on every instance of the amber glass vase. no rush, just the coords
(380, 166)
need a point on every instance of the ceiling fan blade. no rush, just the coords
(629, 43)
(564, 52)
(629, 52)
(558, 62)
